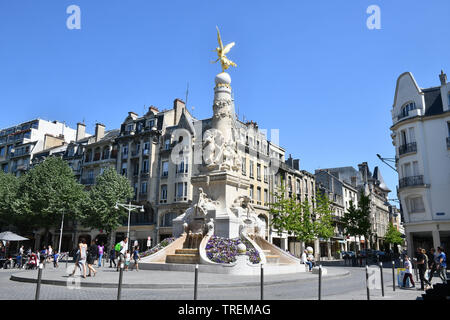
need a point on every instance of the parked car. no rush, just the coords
(348, 254)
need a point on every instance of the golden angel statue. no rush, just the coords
(222, 51)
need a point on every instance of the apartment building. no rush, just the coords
(19, 143)
(421, 136)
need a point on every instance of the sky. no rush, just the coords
(312, 69)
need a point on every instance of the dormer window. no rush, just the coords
(167, 144)
(151, 123)
(406, 108)
(129, 127)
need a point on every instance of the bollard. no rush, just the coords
(393, 275)
(38, 287)
(320, 282)
(382, 282)
(119, 290)
(195, 281)
(262, 282)
(367, 282)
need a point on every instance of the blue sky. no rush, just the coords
(309, 68)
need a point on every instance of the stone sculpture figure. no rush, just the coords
(213, 147)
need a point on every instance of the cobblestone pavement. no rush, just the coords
(350, 287)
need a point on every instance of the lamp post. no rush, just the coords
(130, 207)
(60, 233)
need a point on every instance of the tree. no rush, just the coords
(324, 216)
(109, 188)
(280, 210)
(9, 203)
(393, 236)
(48, 190)
(356, 221)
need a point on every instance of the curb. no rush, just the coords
(170, 285)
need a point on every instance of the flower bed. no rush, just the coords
(224, 250)
(158, 247)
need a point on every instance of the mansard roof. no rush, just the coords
(433, 101)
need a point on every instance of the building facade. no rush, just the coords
(421, 136)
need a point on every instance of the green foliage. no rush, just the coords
(357, 220)
(393, 236)
(324, 216)
(299, 218)
(9, 202)
(109, 188)
(48, 190)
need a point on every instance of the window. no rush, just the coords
(412, 137)
(167, 144)
(251, 169)
(266, 174)
(151, 123)
(129, 127)
(244, 166)
(416, 204)
(145, 166)
(146, 145)
(181, 191)
(406, 108)
(165, 170)
(258, 171)
(125, 149)
(2, 151)
(35, 125)
(168, 218)
(124, 169)
(266, 196)
(251, 193)
(163, 193)
(144, 187)
(27, 135)
(297, 186)
(258, 194)
(5, 168)
(183, 166)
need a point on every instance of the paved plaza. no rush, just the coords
(341, 283)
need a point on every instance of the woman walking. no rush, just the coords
(408, 267)
(92, 256)
(101, 249)
(81, 258)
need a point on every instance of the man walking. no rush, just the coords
(112, 257)
(122, 252)
(442, 265)
(431, 263)
(421, 266)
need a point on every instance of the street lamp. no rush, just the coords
(130, 207)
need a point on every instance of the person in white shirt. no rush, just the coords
(305, 260)
(408, 268)
(122, 252)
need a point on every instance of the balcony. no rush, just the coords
(410, 113)
(411, 181)
(448, 142)
(407, 148)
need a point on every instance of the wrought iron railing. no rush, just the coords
(407, 148)
(411, 181)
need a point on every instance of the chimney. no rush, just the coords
(178, 106)
(297, 164)
(153, 109)
(81, 131)
(443, 78)
(99, 131)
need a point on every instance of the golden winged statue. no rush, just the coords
(222, 51)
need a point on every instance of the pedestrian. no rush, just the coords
(127, 259)
(442, 264)
(81, 257)
(306, 261)
(112, 257)
(91, 257)
(21, 250)
(421, 266)
(136, 258)
(408, 268)
(55, 259)
(427, 269)
(123, 246)
(431, 263)
(101, 248)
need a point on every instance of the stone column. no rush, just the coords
(436, 237)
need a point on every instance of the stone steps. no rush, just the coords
(186, 258)
(186, 251)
